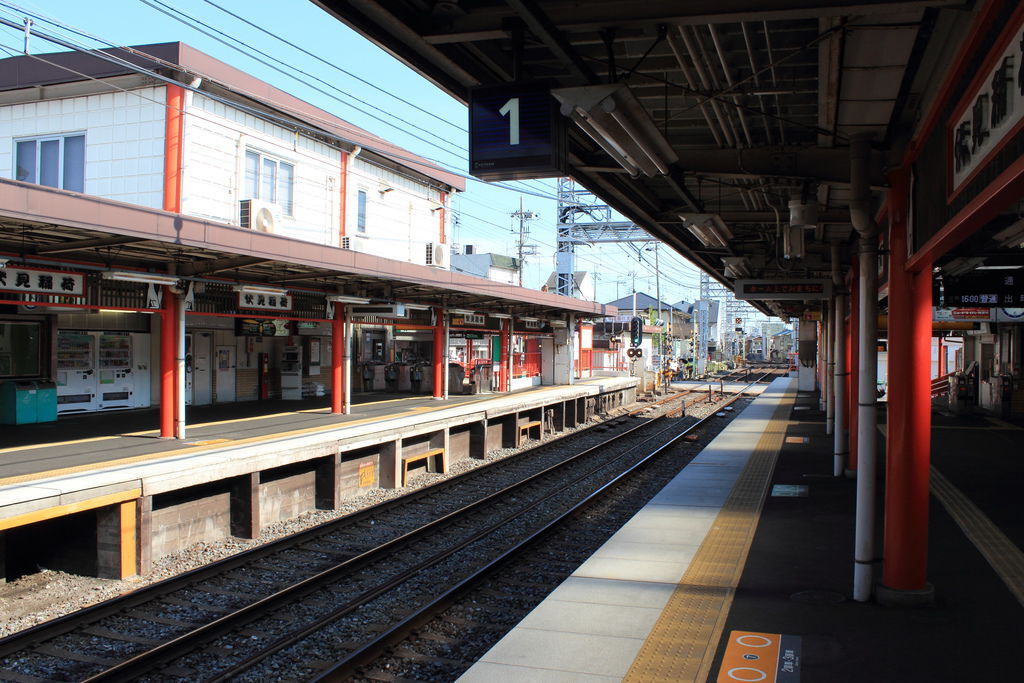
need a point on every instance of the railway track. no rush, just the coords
(223, 619)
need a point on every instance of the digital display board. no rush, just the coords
(998, 289)
(515, 132)
(783, 290)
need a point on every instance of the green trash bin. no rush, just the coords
(46, 401)
(18, 402)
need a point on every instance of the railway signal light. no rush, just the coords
(636, 331)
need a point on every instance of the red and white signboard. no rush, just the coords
(940, 315)
(992, 111)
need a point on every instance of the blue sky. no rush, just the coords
(434, 128)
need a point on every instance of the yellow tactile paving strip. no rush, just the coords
(681, 646)
(1000, 552)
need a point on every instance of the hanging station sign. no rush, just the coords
(991, 112)
(783, 290)
(469, 320)
(515, 132)
(41, 281)
(255, 327)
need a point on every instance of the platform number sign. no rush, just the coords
(515, 132)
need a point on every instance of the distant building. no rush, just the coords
(496, 267)
(583, 285)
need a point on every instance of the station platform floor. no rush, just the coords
(734, 545)
(88, 461)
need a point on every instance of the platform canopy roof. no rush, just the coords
(47, 227)
(746, 104)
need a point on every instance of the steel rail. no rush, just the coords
(53, 628)
(343, 669)
(161, 654)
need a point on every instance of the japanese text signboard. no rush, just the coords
(783, 290)
(265, 302)
(992, 111)
(38, 281)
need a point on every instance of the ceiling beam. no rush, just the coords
(600, 14)
(93, 243)
(828, 165)
(217, 265)
(547, 32)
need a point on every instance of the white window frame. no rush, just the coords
(362, 212)
(39, 140)
(288, 209)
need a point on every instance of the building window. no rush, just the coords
(270, 179)
(54, 161)
(361, 212)
(21, 348)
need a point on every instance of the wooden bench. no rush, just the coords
(524, 430)
(408, 459)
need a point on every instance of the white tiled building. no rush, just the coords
(239, 154)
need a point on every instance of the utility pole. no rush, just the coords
(524, 249)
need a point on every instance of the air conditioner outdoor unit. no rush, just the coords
(256, 214)
(437, 255)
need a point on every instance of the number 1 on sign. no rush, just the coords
(511, 109)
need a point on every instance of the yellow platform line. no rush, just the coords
(681, 646)
(198, 425)
(131, 460)
(1001, 553)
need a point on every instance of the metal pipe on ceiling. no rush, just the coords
(775, 81)
(677, 50)
(728, 80)
(757, 80)
(705, 82)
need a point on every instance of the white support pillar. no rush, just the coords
(840, 447)
(179, 416)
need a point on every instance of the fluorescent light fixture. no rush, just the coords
(1012, 236)
(138, 276)
(418, 307)
(709, 228)
(462, 311)
(736, 266)
(529, 320)
(500, 316)
(612, 116)
(260, 289)
(344, 299)
(962, 265)
(999, 267)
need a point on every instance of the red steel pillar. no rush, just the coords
(908, 446)
(439, 352)
(942, 356)
(338, 343)
(168, 364)
(852, 364)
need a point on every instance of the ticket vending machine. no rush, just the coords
(114, 370)
(102, 371)
(77, 381)
(291, 373)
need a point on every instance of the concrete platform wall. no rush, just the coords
(238, 491)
